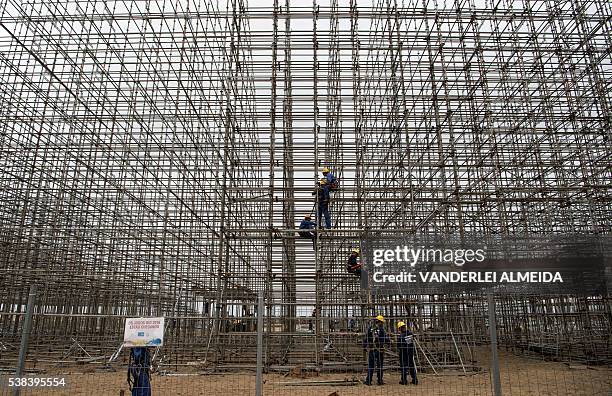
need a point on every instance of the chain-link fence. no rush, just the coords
(460, 345)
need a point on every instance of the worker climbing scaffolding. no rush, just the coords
(305, 230)
(330, 179)
(323, 197)
(354, 264)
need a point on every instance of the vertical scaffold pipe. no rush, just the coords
(273, 97)
(25, 335)
(494, 357)
(315, 61)
(260, 330)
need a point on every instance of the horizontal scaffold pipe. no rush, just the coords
(323, 13)
(434, 199)
(324, 232)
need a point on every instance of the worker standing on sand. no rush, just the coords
(353, 266)
(308, 224)
(375, 340)
(139, 372)
(323, 197)
(405, 349)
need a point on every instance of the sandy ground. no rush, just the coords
(519, 376)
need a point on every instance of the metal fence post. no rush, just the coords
(494, 356)
(25, 335)
(260, 330)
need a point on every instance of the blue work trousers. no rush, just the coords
(375, 358)
(406, 360)
(324, 212)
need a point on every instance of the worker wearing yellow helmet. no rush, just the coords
(330, 179)
(323, 197)
(353, 266)
(375, 341)
(405, 349)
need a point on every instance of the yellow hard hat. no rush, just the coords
(355, 250)
(325, 170)
(400, 325)
(380, 318)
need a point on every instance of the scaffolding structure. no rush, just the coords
(157, 156)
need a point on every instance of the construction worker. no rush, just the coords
(405, 349)
(323, 197)
(311, 321)
(375, 340)
(307, 224)
(330, 179)
(354, 265)
(139, 372)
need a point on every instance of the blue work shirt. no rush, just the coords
(307, 224)
(405, 340)
(376, 338)
(323, 192)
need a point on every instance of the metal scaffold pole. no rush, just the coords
(156, 158)
(25, 335)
